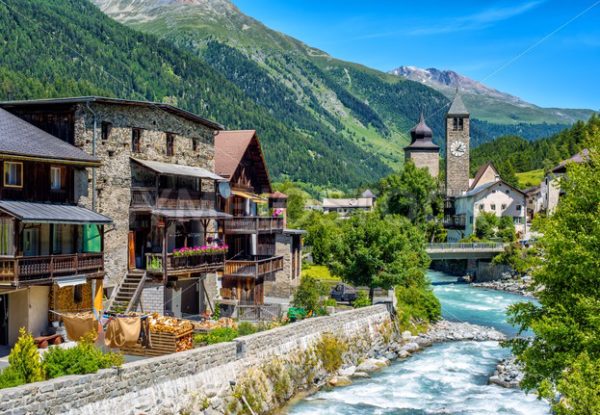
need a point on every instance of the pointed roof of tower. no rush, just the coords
(422, 136)
(458, 106)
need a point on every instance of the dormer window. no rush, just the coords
(170, 144)
(13, 174)
(57, 178)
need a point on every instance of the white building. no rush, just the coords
(550, 191)
(487, 193)
(345, 207)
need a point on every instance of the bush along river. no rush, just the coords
(446, 378)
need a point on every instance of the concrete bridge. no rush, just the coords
(476, 250)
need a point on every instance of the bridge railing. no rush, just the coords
(467, 246)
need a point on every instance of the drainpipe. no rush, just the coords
(87, 104)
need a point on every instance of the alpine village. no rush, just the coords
(202, 215)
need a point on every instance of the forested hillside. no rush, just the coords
(68, 48)
(513, 154)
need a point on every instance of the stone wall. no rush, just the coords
(152, 299)
(284, 283)
(113, 178)
(425, 159)
(457, 168)
(168, 384)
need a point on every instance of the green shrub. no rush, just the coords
(308, 294)
(25, 360)
(330, 351)
(417, 305)
(81, 359)
(245, 328)
(330, 302)
(218, 335)
(10, 378)
(362, 300)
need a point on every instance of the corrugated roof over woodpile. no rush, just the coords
(230, 149)
(29, 212)
(19, 138)
(117, 101)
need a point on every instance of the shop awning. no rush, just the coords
(191, 214)
(70, 281)
(29, 212)
(179, 170)
(247, 195)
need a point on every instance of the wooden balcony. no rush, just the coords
(253, 224)
(455, 222)
(253, 268)
(148, 197)
(42, 269)
(182, 265)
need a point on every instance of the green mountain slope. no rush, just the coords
(68, 47)
(372, 109)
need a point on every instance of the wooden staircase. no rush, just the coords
(128, 292)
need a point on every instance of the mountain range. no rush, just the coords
(324, 122)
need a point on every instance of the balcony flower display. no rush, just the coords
(277, 213)
(200, 250)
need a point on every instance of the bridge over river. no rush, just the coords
(476, 250)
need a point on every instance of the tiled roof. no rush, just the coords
(50, 213)
(230, 147)
(19, 138)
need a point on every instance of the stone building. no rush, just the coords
(264, 259)
(156, 181)
(51, 247)
(422, 150)
(550, 191)
(457, 148)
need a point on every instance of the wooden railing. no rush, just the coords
(253, 224)
(253, 268)
(455, 221)
(171, 198)
(184, 264)
(36, 268)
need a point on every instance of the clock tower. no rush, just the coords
(457, 148)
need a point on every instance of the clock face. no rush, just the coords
(458, 149)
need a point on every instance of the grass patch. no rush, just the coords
(530, 178)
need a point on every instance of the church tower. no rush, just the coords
(457, 148)
(422, 150)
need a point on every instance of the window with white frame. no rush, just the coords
(13, 174)
(517, 220)
(56, 178)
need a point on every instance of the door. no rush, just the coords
(4, 320)
(31, 242)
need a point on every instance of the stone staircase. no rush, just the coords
(128, 292)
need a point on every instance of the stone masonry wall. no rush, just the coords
(167, 384)
(425, 159)
(283, 285)
(457, 168)
(113, 178)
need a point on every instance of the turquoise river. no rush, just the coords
(448, 378)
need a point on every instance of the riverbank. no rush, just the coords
(520, 286)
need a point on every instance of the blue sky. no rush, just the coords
(559, 65)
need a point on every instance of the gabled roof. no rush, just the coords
(116, 101)
(178, 170)
(486, 186)
(458, 106)
(368, 194)
(230, 149)
(581, 157)
(29, 212)
(20, 139)
(480, 173)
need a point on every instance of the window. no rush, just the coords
(170, 144)
(194, 144)
(518, 208)
(57, 237)
(507, 191)
(78, 294)
(457, 124)
(470, 220)
(493, 207)
(13, 174)
(57, 176)
(481, 206)
(503, 207)
(7, 236)
(106, 130)
(517, 220)
(493, 191)
(136, 140)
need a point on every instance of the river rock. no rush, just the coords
(348, 371)
(406, 335)
(411, 347)
(371, 365)
(508, 374)
(361, 375)
(340, 381)
(403, 354)
(443, 331)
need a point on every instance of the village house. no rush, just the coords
(347, 206)
(263, 263)
(52, 248)
(487, 193)
(157, 182)
(550, 191)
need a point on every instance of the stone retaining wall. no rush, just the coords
(166, 384)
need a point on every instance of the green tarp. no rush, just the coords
(91, 239)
